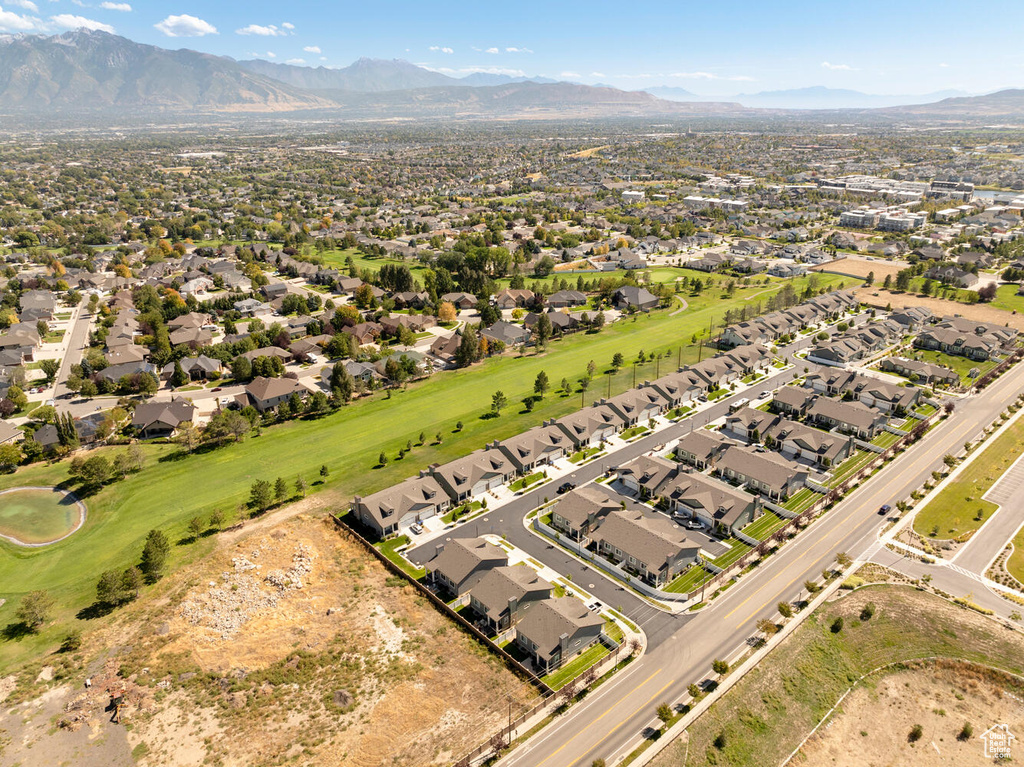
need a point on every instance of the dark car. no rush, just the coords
(565, 487)
(885, 509)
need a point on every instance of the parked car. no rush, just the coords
(693, 524)
(565, 487)
(416, 528)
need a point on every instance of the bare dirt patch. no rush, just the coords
(940, 307)
(291, 645)
(859, 267)
(876, 721)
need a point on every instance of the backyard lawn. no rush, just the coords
(735, 553)
(959, 365)
(560, 677)
(388, 549)
(850, 466)
(802, 501)
(688, 581)
(954, 510)
(885, 439)
(347, 442)
(763, 527)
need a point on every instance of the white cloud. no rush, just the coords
(296, 62)
(944, 65)
(288, 25)
(491, 50)
(185, 26)
(513, 49)
(263, 31)
(12, 22)
(441, 49)
(123, 7)
(28, 5)
(312, 49)
(70, 21)
(704, 76)
(838, 67)
(598, 74)
(461, 71)
(570, 75)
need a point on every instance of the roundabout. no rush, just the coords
(39, 516)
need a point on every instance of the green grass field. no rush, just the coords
(959, 365)
(803, 500)
(1008, 300)
(524, 482)
(736, 551)
(388, 549)
(558, 678)
(763, 527)
(37, 516)
(688, 581)
(850, 466)
(954, 510)
(1015, 564)
(173, 487)
(885, 439)
(766, 715)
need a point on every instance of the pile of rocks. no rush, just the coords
(226, 607)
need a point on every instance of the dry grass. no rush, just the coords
(352, 668)
(940, 307)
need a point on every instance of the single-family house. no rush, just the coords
(474, 474)
(399, 506)
(504, 595)
(702, 448)
(152, 420)
(267, 393)
(715, 503)
(645, 543)
(850, 417)
(555, 631)
(764, 473)
(460, 563)
(538, 446)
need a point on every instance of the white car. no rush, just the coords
(764, 395)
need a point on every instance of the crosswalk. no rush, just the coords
(963, 571)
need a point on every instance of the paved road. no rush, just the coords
(986, 544)
(681, 648)
(77, 341)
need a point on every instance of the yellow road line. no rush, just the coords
(607, 711)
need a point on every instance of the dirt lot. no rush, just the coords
(859, 267)
(290, 644)
(874, 726)
(979, 312)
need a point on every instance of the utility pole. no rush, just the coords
(679, 358)
(700, 349)
(634, 375)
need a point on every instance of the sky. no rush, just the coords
(709, 48)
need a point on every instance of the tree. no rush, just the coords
(785, 609)
(870, 279)
(837, 625)
(49, 368)
(241, 369)
(617, 360)
(301, 486)
(280, 490)
(382, 459)
(541, 384)
(720, 666)
(18, 397)
(131, 583)
(887, 283)
(767, 626)
(665, 713)
(324, 471)
(195, 528)
(342, 381)
(10, 456)
(72, 641)
(844, 559)
(154, 555)
(108, 588)
(542, 330)
(261, 495)
(868, 611)
(468, 350)
(498, 401)
(179, 377)
(34, 609)
(446, 312)
(95, 471)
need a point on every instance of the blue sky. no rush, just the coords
(711, 48)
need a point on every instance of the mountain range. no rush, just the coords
(96, 72)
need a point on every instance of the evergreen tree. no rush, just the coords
(154, 555)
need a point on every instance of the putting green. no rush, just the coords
(36, 516)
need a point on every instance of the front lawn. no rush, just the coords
(924, 409)
(763, 527)
(582, 455)
(802, 501)
(953, 512)
(634, 431)
(524, 482)
(558, 678)
(1015, 564)
(388, 549)
(717, 394)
